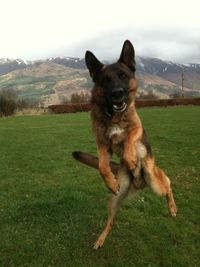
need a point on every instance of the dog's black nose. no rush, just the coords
(117, 93)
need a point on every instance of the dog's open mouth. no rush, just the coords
(119, 107)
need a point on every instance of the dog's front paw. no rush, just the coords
(113, 186)
(130, 162)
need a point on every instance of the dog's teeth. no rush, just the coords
(121, 108)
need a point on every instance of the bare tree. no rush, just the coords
(80, 98)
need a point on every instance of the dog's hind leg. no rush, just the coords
(159, 183)
(124, 179)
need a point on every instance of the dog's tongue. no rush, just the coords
(119, 104)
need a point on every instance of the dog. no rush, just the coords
(118, 129)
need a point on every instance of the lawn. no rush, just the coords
(52, 208)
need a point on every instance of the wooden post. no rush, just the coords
(182, 82)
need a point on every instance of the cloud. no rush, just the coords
(179, 44)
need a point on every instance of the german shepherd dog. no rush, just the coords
(118, 129)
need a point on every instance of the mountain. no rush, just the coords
(53, 80)
(71, 62)
(7, 65)
(171, 71)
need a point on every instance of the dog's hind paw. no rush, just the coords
(173, 210)
(98, 244)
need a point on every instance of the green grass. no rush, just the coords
(53, 208)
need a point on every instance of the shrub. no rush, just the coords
(8, 103)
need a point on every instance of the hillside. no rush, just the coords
(46, 81)
(52, 81)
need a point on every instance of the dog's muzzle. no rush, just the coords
(118, 99)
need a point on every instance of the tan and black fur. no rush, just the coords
(118, 129)
(160, 185)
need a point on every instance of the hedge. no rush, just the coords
(72, 108)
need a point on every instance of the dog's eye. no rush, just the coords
(122, 75)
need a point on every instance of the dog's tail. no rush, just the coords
(92, 161)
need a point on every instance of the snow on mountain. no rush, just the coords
(158, 66)
(14, 61)
(7, 65)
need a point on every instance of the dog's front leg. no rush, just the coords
(105, 170)
(130, 155)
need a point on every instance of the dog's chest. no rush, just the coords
(116, 134)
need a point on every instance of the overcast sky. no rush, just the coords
(37, 29)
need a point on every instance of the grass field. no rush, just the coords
(53, 208)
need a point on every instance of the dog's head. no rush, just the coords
(115, 81)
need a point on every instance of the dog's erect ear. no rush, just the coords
(93, 64)
(128, 55)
